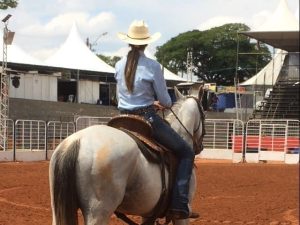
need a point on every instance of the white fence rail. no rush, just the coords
(57, 131)
(274, 140)
(223, 139)
(86, 121)
(30, 140)
(258, 140)
(30, 135)
(7, 153)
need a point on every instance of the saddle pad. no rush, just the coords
(132, 123)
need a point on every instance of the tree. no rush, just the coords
(214, 54)
(110, 60)
(5, 4)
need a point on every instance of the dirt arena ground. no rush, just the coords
(263, 194)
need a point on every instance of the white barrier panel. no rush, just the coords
(57, 131)
(30, 140)
(272, 140)
(276, 140)
(86, 121)
(223, 140)
(7, 154)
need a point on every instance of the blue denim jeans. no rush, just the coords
(165, 135)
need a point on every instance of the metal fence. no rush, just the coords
(57, 131)
(225, 139)
(271, 139)
(224, 134)
(272, 135)
(86, 121)
(30, 135)
(8, 139)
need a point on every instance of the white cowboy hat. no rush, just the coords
(138, 34)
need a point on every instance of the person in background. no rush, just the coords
(142, 90)
(213, 101)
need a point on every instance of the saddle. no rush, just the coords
(141, 131)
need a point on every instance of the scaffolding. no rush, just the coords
(4, 89)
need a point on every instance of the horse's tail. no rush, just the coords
(63, 184)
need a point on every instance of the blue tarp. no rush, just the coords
(226, 100)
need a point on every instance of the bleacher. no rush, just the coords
(283, 100)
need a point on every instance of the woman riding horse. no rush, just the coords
(139, 81)
(101, 170)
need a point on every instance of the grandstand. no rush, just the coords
(281, 31)
(283, 100)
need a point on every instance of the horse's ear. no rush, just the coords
(200, 93)
(194, 89)
(178, 93)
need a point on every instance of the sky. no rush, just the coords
(41, 26)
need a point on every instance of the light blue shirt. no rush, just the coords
(149, 83)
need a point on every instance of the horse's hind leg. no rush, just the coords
(98, 206)
(96, 215)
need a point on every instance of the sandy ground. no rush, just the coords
(266, 194)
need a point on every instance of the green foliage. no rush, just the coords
(110, 60)
(5, 4)
(214, 54)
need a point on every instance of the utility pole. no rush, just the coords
(189, 64)
(4, 89)
(91, 45)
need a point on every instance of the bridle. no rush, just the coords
(197, 142)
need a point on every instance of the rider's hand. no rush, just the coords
(158, 106)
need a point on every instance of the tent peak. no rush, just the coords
(75, 54)
(282, 19)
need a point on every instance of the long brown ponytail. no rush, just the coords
(131, 65)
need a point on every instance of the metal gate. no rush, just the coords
(30, 140)
(223, 140)
(275, 140)
(57, 131)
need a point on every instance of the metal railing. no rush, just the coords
(30, 135)
(224, 134)
(271, 135)
(86, 121)
(57, 131)
(8, 144)
(228, 136)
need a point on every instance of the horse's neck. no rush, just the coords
(186, 119)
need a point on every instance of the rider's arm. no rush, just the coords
(160, 88)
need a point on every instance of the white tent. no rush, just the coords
(171, 76)
(32, 84)
(17, 55)
(280, 30)
(74, 54)
(168, 75)
(268, 75)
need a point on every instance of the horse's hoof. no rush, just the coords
(194, 215)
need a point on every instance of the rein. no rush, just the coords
(198, 147)
(183, 125)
